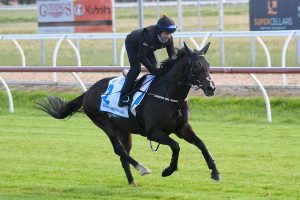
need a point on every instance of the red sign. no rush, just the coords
(93, 15)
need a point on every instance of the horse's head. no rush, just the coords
(199, 74)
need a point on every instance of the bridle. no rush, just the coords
(192, 79)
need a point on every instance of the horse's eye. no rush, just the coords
(198, 67)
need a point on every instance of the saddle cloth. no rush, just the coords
(109, 100)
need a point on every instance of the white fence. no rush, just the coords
(205, 36)
(182, 35)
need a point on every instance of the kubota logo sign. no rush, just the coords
(79, 10)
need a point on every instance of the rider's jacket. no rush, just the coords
(145, 41)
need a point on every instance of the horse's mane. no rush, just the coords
(168, 63)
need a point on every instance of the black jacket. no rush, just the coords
(145, 41)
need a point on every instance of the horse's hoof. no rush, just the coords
(133, 184)
(216, 176)
(168, 171)
(143, 170)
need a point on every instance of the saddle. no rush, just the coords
(109, 99)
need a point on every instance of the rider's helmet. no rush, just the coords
(165, 24)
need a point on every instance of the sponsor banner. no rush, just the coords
(78, 16)
(93, 15)
(267, 15)
(55, 11)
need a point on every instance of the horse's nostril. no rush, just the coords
(209, 89)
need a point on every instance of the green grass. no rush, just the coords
(246, 110)
(44, 158)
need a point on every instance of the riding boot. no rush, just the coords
(125, 99)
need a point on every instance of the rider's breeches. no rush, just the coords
(134, 71)
(135, 68)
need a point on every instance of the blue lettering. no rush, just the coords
(109, 90)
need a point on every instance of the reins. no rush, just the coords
(154, 150)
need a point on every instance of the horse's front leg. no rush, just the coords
(163, 138)
(189, 135)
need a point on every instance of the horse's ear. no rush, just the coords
(205, 48)
(188, 49)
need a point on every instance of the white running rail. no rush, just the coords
(283, 56)
(189, 35)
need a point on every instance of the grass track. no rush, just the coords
(43, 158)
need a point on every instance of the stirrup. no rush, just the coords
(124, 101)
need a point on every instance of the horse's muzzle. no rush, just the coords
(209, 91)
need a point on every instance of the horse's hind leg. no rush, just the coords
(113, 132)
(189, 135)
(120, 150)
(126, 141)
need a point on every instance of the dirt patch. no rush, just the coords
(227, 84)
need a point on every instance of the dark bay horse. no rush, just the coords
(164, 110)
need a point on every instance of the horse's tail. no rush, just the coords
(59, 108)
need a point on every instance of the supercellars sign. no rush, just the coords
(268, 15)
(78, 16)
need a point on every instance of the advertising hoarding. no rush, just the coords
(268, 15)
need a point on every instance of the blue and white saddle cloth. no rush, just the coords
(110, 98)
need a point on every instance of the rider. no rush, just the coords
(140, 46)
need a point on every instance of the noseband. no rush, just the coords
(192, 75)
